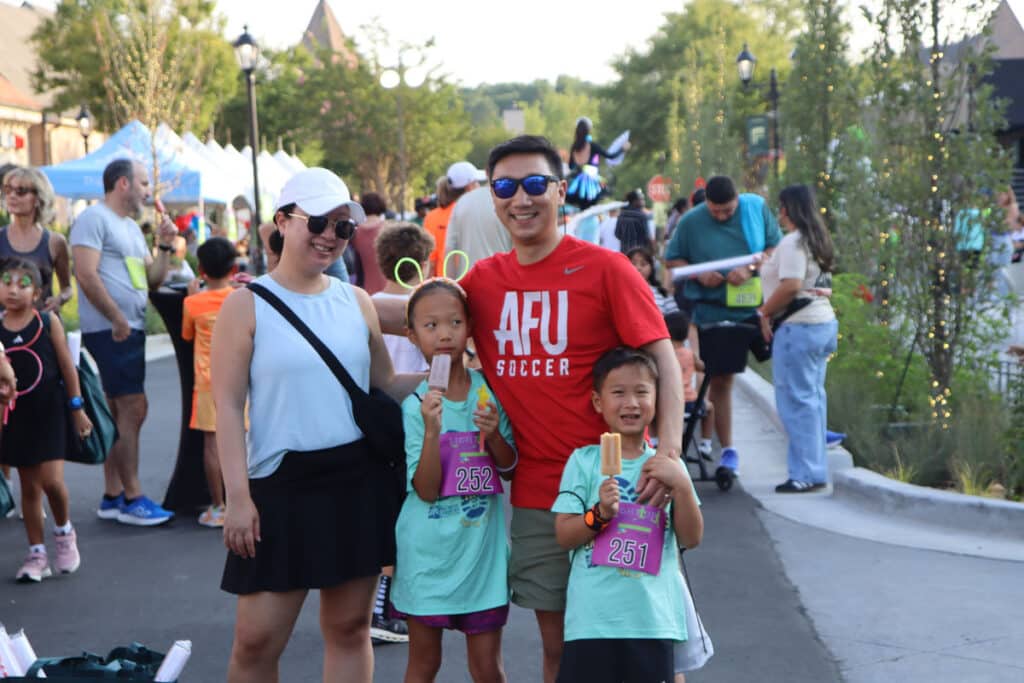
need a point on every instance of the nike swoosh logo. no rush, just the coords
(570, 271)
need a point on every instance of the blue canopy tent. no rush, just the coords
(181, 182)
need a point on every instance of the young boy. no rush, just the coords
(678, 328)
(625, 609)
(216, 267)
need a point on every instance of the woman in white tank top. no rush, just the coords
(301, 509)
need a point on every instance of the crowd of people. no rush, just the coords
(551, 342)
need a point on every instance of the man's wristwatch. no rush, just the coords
(592, 518)
(76, 403)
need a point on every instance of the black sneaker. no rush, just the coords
(794, 486)
(383, 631)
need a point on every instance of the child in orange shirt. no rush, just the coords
(216, 267)
(678, 328)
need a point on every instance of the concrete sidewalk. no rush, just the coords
(901, 583)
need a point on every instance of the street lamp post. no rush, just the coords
(394, 79)
(745, 63)
(247, 53)
(84, 120)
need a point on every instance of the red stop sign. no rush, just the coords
(659, 189)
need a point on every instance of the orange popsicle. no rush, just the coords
(611, 454)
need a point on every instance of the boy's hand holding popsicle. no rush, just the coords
(611, 465)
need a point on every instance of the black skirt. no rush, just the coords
(320, 524)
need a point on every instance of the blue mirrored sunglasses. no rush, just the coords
(535, 185)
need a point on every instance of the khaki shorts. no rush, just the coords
(539, 567)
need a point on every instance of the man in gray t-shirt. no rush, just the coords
(115, 272)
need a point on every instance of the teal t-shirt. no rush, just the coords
(607, 602)
(452, 553)
(699, 238)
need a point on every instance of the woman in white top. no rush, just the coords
(302, 494)
(797, 282)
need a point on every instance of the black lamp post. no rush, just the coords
(745, 63)
(84, 120)
(247, 52)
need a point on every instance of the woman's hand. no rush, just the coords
(766, 325)
(50, 304)
(665, 470)
(430, 409)
(83, 425)
(608, 498)
(242, 527)
(486, 420)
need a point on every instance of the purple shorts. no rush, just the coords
(471, 623)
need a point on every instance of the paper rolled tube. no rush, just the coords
(721, 264)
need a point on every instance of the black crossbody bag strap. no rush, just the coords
(329, 358)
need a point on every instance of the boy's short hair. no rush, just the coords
(24, 265)
(398, 240)
(678, 323)
(619, 357)
(216, 257)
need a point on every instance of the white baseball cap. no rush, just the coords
(318, 191)
(462, 173)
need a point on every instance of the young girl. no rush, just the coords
(643, 261)
(35, 430)
(452, 553)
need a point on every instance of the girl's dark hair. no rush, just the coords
(583, 128)
(31, 269)
(651, 279)
(399, 240)
(433, 285)
(802, 209)
(620, 357)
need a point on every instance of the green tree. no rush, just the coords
(185, 52)
(937, 160)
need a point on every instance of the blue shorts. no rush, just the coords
(122, 365)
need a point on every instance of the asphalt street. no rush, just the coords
(160, 584)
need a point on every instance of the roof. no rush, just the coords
(1006, 79)
(325, 31)
(12, 97)
(17, 56)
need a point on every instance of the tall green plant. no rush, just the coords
(934, 166)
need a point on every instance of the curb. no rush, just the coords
(158, 346)
(881, 495)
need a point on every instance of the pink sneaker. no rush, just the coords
(35, 569)
(67, 559)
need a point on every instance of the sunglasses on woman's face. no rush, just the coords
(535, 185)
(344, 228)
(18, 191)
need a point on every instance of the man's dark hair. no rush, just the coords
(373, 204)
(526, 144)
(115, 170)
(216, 257)
(720, 190)
(619, 357)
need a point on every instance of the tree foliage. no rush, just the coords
(85, 48)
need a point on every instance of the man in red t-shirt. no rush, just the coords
(542, 314)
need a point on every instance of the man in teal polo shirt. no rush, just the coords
(724, 226)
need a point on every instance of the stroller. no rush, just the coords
(723, 348)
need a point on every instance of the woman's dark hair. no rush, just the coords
(802, 209)
(433, 285)
(286, 209)
(373, 204)
(275, 243)
(620, 357)
(681, 204)
(24, 265)
(526, 144)
(698, 197)
(720, 190)
(649, 257)
(583, 128)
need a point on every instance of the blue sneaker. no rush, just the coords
(143, 512)
(110, 509)
(730, 459)
(833, 438)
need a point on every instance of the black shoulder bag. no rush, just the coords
(377, 415)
